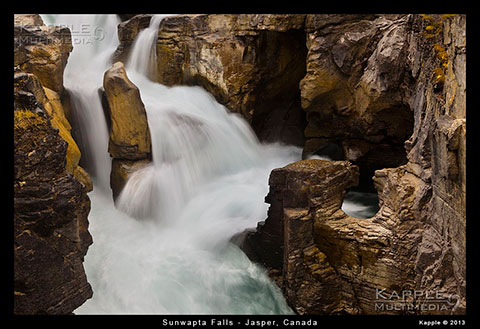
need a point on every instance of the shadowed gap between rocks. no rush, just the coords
(278, 116)
(385, 149)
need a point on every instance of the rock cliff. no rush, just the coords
(51, 204)
(354, 89)
(328, 262)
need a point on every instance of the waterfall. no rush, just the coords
(94, 40)
(143, 58)
(165, 248)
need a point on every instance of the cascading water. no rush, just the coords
(94, 40)
(143, 58)
(207, 181)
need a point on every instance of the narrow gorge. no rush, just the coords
(293, 164)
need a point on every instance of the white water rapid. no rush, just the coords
(165, 248)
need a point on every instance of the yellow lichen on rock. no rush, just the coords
(54, 108)
(24, 118)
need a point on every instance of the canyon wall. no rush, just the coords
(51, 204)
(328, 262)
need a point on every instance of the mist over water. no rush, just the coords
(360, 204)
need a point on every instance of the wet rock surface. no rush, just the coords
(130, 141)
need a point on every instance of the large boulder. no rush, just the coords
(130, 141)
(129, 132)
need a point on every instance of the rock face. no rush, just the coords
(128, 29)
(354, 89)
(251, 63)
(130, 143)
(303, 196)
(327, 262)
(50, 212)
(51, 206)
(41, 50)
(437, 152)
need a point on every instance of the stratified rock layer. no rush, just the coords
(303, 196)
(327, 262)
(437, 153)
